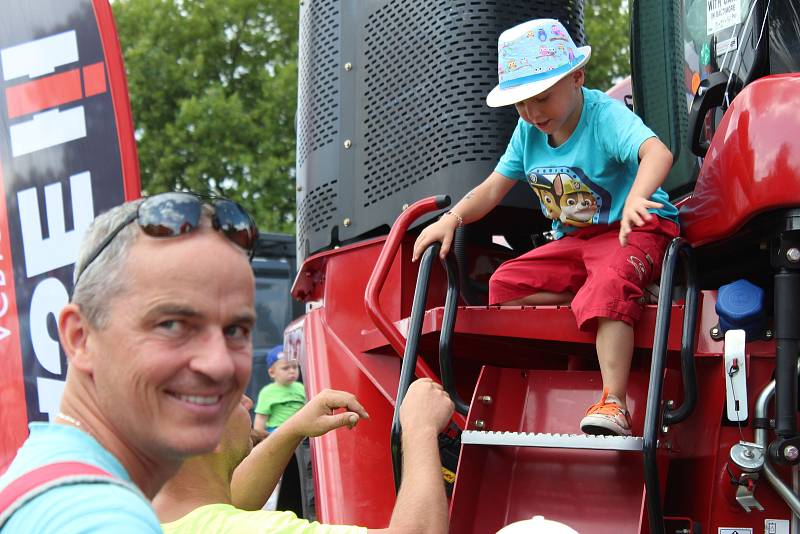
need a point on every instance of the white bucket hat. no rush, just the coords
(536, 525)
(531, 58)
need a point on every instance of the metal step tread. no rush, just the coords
(559, 441)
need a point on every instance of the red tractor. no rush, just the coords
(390, 111)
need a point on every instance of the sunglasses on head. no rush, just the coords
(175, 214)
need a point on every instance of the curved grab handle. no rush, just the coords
(679, 249)
(381, 271)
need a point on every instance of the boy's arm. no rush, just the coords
(256, 476)
(472, 207)
(655, 161)
(260, 422)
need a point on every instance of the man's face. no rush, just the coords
(284, 372)
(175, 357)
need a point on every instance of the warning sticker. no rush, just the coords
(721, 14)
(776, 526)
(728, 530)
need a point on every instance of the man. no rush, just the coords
(157, 336)
(212, 493)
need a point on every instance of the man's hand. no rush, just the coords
(635, 213)
(442, 231)
(426, 404)
(319, 415)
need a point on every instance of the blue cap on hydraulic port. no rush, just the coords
(740, 305)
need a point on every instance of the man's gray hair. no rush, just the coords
(104, 277)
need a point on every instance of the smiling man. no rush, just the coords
(157, 336)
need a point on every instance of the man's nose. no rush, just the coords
(213, 358)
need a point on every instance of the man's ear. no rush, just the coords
(74, 332)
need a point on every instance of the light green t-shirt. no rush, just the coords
(280, 402)
(225, 519)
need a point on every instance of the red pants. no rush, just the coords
(606, 279)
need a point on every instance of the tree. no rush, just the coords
(607, 29)
(213, 89)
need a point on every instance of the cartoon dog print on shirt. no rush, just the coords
(566, 195)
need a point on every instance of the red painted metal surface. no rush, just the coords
(591, 491)
(753, 164)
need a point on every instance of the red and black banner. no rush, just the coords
(67, 153)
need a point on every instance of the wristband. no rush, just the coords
(457, 216)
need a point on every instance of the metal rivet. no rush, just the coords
(299, 188)
(348, 143)
(347, 222)
(793, 255)
(486, 399)
(405, 207)
(714, 332)
(480, 424)
(664, 429)
(670, 403)
(348, 66)
(791, 453)
(769, 334)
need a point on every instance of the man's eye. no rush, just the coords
(237, 331)
(171, 325)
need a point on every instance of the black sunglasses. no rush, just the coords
(175, 214)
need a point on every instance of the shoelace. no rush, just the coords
(607, 408)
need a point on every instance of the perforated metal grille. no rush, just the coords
(429, 66)
(317, 209)
(318, 85)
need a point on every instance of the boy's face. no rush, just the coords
(284, 372)
(556, 109)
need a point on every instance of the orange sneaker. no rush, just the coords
(607, 418)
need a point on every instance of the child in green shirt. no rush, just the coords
(283, 397)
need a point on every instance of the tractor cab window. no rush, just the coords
(690, 58)
(725, 47)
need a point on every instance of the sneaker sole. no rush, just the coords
(595, 430)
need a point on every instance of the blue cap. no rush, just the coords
(275, 353)
(741, 305)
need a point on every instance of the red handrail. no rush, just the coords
(381, 272)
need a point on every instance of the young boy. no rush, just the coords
(283, 397)
(597, 170)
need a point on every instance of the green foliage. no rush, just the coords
(213, 88)
(607, 27)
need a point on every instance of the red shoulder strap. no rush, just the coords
(41, 479)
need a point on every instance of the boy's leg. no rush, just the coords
(542, 298)
(615, 352)
(612, 296)
(546, 276)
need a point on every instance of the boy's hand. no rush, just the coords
(442, 231)
(319, 416)
(635, 213)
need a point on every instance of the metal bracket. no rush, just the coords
(744, 492)
(735, 375)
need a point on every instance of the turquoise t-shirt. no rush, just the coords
(586, 180)
(75, 508)
(279, 402)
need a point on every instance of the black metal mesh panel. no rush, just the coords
(315, 211)
(318, 80)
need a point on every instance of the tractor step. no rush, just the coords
(554, 441)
